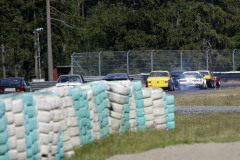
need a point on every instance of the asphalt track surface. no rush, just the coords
(202, 91)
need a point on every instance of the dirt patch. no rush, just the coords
(203, 151)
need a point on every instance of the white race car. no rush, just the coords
(70, 80)
(191, 79)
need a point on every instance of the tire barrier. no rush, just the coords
(50, 123)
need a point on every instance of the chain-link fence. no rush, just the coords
(136, 62)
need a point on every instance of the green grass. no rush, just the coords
(190, 128)
(228, 97)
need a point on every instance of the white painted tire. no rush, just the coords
(11, 130)
(96, 127)
(96, 136)
(149, 124)
(157, 93)
(67, 145)
(57, 115)
(44, 138)
(160, 120)
(149, 117)
(71, 112)
(66, 102)
(148, 110)
(69, 154)
(158, 111)
(117, 98)
(10, 117)
(75, 141)
(73, 131)
(44, 128)
(17, 105)
(54, 150)
(115, 123)
(74, 121)
(65, 136)
(20, 132)
(44, 116)
(146, 93)
(21, 145)
(116, 107)
(147, 102)
(63, 124)
(22, 155)
(12, 141)
(55, 139)
(44, 149)
(133, 106)
(161, 126)
(115, 115)
(117, 88)
(13, 154)
(8, 104)
(158, 103)
(19, 119)
(132, 123)
(132, 114)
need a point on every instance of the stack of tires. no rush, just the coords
(81, 111)
(49, 128)
(148, 107)
(118, 96)
(93, 112)
(101, 101)
(138, 98)
(68, 124)
(30, 124)
(4, 135)
(169, 107)
(19, 128)
(68, 121)
(158, 108)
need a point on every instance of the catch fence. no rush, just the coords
(136, 62)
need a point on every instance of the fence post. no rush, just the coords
(72, 62)
(152, 60)
(181, 59)
(207, 58)
(99, 63)
(128, 62)
(233, 60)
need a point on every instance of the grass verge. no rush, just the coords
(228, 97)
(190, 128)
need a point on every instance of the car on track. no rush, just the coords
(191, 79)
(212, 82)
(176, 75)
(12, 85)
(70, 80)
(117, 76)
(161, 79)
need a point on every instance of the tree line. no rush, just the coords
(114, 25)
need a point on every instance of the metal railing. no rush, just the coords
(136, 62)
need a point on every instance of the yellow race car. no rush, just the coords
(210, 79)
(161, 79)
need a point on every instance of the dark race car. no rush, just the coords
(11, 85)
(117, 76)
(176, 76)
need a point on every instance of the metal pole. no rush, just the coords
(49, 42)
(152, 60)
(99, 63)
(181, 59)
(233, 60)
(207, 58)
(128, 62)
(72, 62)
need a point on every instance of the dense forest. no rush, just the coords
(112, 25)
